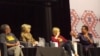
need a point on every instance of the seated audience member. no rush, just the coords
(62, 42)
(10, 40)
(85, 38)
(26, 36)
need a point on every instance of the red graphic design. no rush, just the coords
(90, 20)
(74, 20)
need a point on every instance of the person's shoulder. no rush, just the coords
(80, 34)
(52, 36)
(11, 33)
(22, 33)
(61, 36)
(2, 34)
(89, 34)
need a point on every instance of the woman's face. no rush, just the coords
(27, 30)
(7, 30)
(84, 30)
(55, 32)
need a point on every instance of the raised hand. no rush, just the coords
(58, 33)
(76, 55)
(73, 34)
(86, 36)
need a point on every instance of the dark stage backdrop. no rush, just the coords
(17, 13)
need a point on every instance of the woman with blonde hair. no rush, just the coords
(62, 42)
(57, 37)
(27, 36)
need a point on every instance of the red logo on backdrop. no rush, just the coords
(89, 19)
(74, 20)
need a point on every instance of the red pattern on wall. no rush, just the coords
(88, 18)
(74, 20)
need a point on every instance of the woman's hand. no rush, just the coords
(76, 54)
(73, 34)
(58, 33)
(60, 40)
(18, 43)
(35, 43)
(88, 38)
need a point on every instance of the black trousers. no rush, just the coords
(68, 47)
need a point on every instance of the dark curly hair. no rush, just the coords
(86, 27)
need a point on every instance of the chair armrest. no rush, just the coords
(23, 43)
(3, 48)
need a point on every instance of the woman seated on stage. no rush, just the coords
(85, 38)
(26, 36)
(62, 42)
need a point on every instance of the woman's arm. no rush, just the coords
(10, 45)
(73, 34)
(89, 37)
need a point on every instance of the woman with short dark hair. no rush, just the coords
(86, 38)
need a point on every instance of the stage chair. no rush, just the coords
(3, 49)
